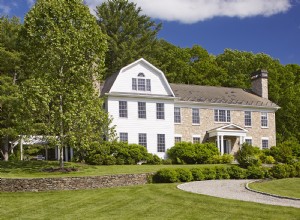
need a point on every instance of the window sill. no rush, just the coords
(264, 127)
(196, 124)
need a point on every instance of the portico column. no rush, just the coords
(241, 141)
(66, 154)
(71, 153)
(21, 148)
(222, 144)
(218, 142)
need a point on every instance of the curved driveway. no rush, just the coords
(234, 189)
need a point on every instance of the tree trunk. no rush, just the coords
(61, 160)
(5, 149)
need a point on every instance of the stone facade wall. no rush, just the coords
(187, 130)
(71, 183)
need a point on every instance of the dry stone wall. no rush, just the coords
(71, 183)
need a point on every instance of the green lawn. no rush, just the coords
(33, 169)
(284, 187)
(152, 201)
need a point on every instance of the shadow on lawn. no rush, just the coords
(26, 166)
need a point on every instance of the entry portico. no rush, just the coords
(230, 130)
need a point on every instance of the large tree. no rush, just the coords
(10, 97)
(64, 57)
(130, 34)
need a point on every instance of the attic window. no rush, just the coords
(141, 84)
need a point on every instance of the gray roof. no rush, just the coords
(207, 94)
(219, 95)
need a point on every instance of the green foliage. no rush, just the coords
(111, 153)
(248, 156)
(165, 176)
(281, 171)
(236, 172)
(286, 152)
(188, 153)
(184, 175)
(221, 159)
(65, 51)
(131, 35)
(154, 159)
(222, 173)
(197, 174)
(256, 172)
(209, 173)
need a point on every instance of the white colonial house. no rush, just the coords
(149, 111)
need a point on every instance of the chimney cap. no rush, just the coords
(259, 74)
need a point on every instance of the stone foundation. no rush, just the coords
(71, 183)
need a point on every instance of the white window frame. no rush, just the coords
(142, 110)
(195, 116)
(217, 115)
(248, 118)
(198, 137)
(143, 139)
(123, 137)
(140, 83)
(161, 143)
(262, 144)
(177, 115)
(248, 138)
(160, 111)
(123, 109)
(264, 119)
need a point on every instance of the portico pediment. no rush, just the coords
(228, 130)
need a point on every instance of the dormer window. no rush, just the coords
(140, 83)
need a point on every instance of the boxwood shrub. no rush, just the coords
(184, 175)
(166, 176)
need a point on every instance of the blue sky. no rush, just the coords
(259, 26)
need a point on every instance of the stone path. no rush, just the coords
(235, 189)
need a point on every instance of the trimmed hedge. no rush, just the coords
(171, 175)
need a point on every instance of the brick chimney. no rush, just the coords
(259, 83)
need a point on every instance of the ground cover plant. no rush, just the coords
(284, 187)
(31, 169)
(152, 201)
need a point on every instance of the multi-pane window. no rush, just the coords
(142, 109)
(123, 136)
(177, 115)
(195, 116)
(196, 140)
(148, 84)
(160, 111)
(141, 85)
(222, 115)
(134, 84)
(177, 139)
(143, 139)
(264, 119)
(265, 143)
(123, 109)
(248, 141)
(161, 143)
(248, 120)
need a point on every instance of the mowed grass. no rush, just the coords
(152, 201)
(283, 187)
(33, 169)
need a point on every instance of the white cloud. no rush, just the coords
(4, 9)
(192, 11)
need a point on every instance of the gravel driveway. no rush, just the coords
(234, 189)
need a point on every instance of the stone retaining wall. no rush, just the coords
(71, 183)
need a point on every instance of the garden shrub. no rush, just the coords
(209, 173)
(248, 156)
(197, 174)
(188, 153)
(255, 172)
(167, 161)
(286, 152)
(184, 175)
(165, 176)
(226, 158)
(222, 173)
(280, 171)
(236, 172)
(154, 159)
